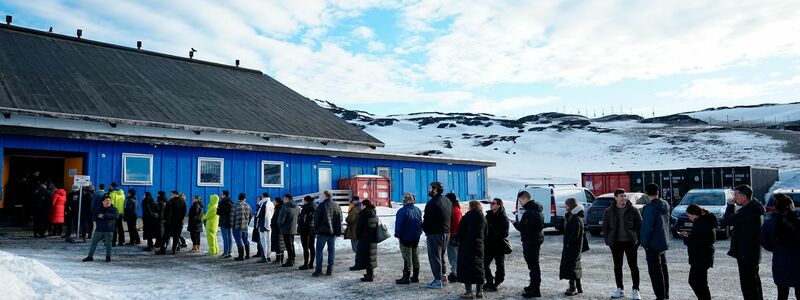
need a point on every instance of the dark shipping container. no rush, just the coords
(760, 179)
(672, 183)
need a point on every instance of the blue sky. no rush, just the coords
(511, 58)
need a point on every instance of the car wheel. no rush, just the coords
(595, 232)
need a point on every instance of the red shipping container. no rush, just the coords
(606, 182)
(372, 187)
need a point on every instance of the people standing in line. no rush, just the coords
(175, 211)
(746, 223)
(275, 235)
(470, 240)
(452, 249)
(43, 200)
(436, 225)
(288, 223)
(655, 240)
(367, 235)
(781, 236)
(225, 223)
(327, 225)
(497, 225)
(150, 216)
(118, 201)
(263, 216)
(185, 204)
(130, 216)
(621, 224)
(212, 224)
(575, 243)
(408, 229)
(352, 220)
(97, 203)
(71, 213)
(241, 215)
(700, 246)
(86, 213)
(530, 227)
(105, 217)
(57, 211)
(305, 225)
(161, 234)
(195, 224)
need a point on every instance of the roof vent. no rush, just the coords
(139, 45)
(50, 30)
(191, 52)
(237, 62)
(80, 33)
(8, 19)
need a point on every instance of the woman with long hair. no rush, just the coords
(700, 245)
(496, 234)
(781, 236)
(470, 240)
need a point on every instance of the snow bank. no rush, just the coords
(768, 113)
(24, 278)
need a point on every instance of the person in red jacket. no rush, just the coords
(57, 212)
(452, 249)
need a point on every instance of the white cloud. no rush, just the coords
(374, 46)
(728, 88)
(363, 32)
(600, 42)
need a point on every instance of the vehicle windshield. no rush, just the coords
(603, 202)
(704, 199)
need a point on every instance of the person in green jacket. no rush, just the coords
(212, 224)
(117, 201)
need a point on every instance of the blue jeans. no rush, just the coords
(331, 242)
(226, 240)
(241, 237)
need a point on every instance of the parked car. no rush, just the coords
(551, 197)
(713, 200)
(792, 193)
(594, 219)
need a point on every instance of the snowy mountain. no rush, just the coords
(558, 147)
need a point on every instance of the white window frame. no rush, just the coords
(221, 171)
(387, 169)
(125, 180)
(272, 162)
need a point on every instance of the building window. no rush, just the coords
(385, 172)
(355, 171)
(271, 174)
(137, 169)
(443, 177)
(210, 171)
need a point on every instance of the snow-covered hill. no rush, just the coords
(558, 147)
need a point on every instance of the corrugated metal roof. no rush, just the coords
(65, 77)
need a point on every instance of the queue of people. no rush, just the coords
(470, 243)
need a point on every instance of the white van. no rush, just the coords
(552, 196)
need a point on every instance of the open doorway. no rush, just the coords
(24, 170)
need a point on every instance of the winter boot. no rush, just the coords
(415, 276)
(108, 258)
(452, 278)
(489, 286)
(88, 258)
(479, 292)
(278, 258)
(405, 279)
(162, 251)
(571, 291)
(532, 291)
(240, 257)
(369, 277)
(329, 271)
(578, 286)
(247, 251)
(258, 251)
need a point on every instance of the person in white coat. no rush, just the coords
(263, 214)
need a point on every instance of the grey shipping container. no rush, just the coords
(672, 183)
(760, 179)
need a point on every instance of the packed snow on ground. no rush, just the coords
(767, 113)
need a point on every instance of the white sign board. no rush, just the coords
(82, 180)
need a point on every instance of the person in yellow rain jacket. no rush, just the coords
(117, 201)
(212, 224)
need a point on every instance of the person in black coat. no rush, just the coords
(130, 216)
(305, 225)
(195, 226)
(496, 234)
(161, 235)
(530, 228)
(745, 239)
(470, 240)
(86, 213)
(700, 245)
(367, 235)
(574, 242)
(226, 223)
(276, 242)
(175, 213)
(781, 236)
(42, 200)
(150, 220)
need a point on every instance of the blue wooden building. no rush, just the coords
(151, 121)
